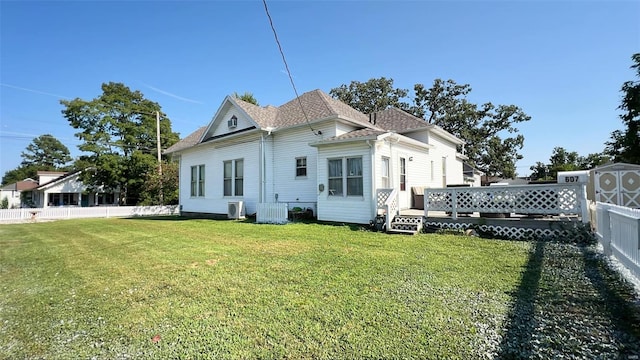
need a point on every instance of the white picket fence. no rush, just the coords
(272, 213)
(57, 213)
(618, 230)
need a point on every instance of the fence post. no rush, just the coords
(425, 200)
(606, 231)
(584, 204)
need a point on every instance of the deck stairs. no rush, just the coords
(410, 225)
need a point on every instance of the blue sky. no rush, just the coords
(562, 62)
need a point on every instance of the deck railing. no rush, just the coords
(388, 201)
(272, 213)
(547, 199)
(618, 230)
(76, 212)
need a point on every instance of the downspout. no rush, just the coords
(261, 171)
(374, 194)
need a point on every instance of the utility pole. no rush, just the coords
(159, 155)
(158, 142)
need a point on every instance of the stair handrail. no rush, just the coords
(391, 207)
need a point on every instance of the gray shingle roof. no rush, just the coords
(187, 142)
(317, 105)
(394, 119)
(264, 116)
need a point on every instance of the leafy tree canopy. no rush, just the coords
(166, 184)
(625, 144)
(247, 96)
(44, 153)
(371, 96)
(492, 141)
(20, 173)
(563, 160)
(47, 153)
(118, 132)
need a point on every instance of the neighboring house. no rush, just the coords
(314, 152)
(66, 189)
(472, 176)
(14, 193)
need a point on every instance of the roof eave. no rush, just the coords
(343, 141)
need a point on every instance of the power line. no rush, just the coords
(286, 66)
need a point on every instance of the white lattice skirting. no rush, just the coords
(509, 232)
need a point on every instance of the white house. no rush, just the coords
(314, 152)
(13, 193)
(57, 188)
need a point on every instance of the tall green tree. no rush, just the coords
(118, 132)
(248, 97)
(625, 144)
(44, 153)
(493, 142)
(372, 95)
(20, 173)
(47, 153)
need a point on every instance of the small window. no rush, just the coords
(301, 166)
(385, 173)
(233, 122)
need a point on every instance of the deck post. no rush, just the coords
(454, 204)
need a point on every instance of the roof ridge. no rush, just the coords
(325, 101)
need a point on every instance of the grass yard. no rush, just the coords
(177, 288)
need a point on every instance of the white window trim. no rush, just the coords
(234, 177)
(346, 176)
(402, 169)
(306, 167)
(196, 181)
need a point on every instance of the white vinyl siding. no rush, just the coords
(215, 202)
(281, 151)
(354, 209)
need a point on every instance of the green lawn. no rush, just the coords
(177, 288)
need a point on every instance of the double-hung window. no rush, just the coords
(197, 180)
(345, 173)
(385, 173)
(233, 173)
(403, 174)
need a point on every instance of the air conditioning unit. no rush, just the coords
(235, 210)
